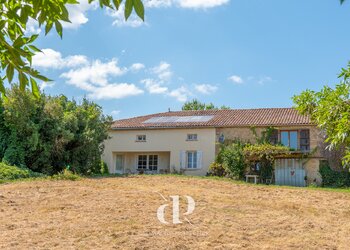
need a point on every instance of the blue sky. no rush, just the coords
(244, 54)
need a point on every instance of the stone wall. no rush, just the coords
(316, 143)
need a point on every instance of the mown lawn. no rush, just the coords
(120, 213)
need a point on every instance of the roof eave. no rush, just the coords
(210, 126)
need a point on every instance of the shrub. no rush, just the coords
(104, 168)
(232, 159)
(66, 175)
(216, 169)
(331, 178)
(49, 133)
(265, 153)
(8, 172)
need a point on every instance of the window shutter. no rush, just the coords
(304, 140)
(199, 159)
(182, 159)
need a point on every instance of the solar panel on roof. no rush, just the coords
(177, 119)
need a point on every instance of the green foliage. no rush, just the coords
(330, 110)
(8, 172)
(265, 154)
(17, 49)
(104, 168)
(66, 175)
(265, 136)
(197, 105)
(234, 156)
(331, 178)
(262, 152)
(217, 169)
(48, 134)
(232, 159)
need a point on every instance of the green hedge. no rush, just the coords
(65, 175)
(331, 178)
(8, 172)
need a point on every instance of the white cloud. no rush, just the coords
(119, 18)
(154, 87)
(44, 85)
(160, 84)
(205, 89)
(32, 27)
(50, 58)
(191, 4)
(259, 80)
(137, 67)
(157, 3)
(97, 78)
(201, 4)
(96, 72)
(163, 71)
(264, 79)
(134, 21)
(181, 94)
(114, 91)
(236, 79)
(115, 113)
(77, 14)
(94, 78)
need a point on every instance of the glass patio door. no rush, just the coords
(119, 164)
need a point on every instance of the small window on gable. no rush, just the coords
(192, 137)
(141, 138)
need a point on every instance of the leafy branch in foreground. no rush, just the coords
(16, 47)
(330, 110)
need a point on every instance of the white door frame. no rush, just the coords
(119, 171)
(147, 165)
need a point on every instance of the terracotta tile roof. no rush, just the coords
(216, 118)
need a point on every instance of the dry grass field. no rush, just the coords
(120, 213)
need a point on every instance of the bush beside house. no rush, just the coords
(8, 172)
(334, 178)
(45, 135)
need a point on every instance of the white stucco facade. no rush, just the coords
(170, 145)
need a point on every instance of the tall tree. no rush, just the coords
(197, 105)
(17, 49)
(49, 133)
(330, 110)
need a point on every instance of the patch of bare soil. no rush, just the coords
(120, 213)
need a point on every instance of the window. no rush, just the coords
(305, 140)
(153, 162)
(141, 138)
(147, 162)
(274, 137)
(192, 137)
(290, 139)
(142, 162)
(192, 159)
